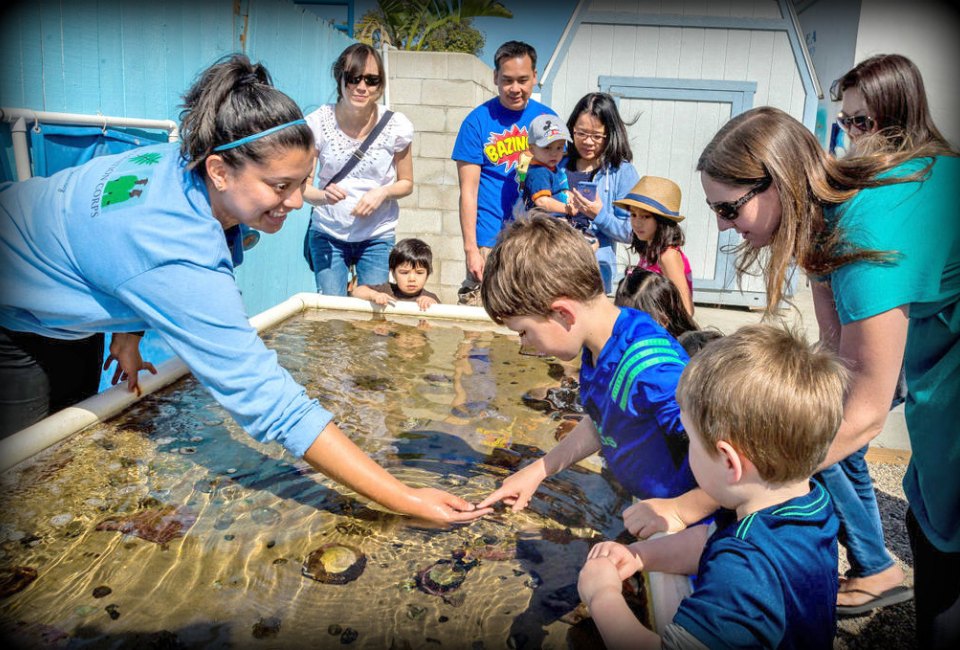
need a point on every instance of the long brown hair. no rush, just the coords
(896, 99)
(658, 296)
(766, 142)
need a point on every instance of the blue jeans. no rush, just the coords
(333, 258)
(849, 484)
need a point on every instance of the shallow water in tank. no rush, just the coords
(168, 526)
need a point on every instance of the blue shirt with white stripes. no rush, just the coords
(768, 580)
(629, 393)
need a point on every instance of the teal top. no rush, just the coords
(918, 220)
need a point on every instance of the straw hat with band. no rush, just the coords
(659, 196)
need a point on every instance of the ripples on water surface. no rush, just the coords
(170, 527)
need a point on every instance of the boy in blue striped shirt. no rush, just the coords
(761, 408)
(542, 281)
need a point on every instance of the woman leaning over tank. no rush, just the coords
(136, 240)
(881, 238)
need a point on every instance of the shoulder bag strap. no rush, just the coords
(357, 155)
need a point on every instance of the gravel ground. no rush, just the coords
(890, 628)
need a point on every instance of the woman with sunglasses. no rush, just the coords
(881, 238)
(601, 155)
(137, 240)
(354, 220)
(884, 110)
(884, 106)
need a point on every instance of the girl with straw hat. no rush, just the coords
(654, 205)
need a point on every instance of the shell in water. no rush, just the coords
(335, 564)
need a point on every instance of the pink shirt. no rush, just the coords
(687, 271)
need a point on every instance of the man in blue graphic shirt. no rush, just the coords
(487, 149)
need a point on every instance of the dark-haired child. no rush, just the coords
(653, 293)
(411, 263)
(654, 205)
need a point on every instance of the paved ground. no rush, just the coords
(891, 628)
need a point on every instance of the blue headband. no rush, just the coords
(646, 199)
(256, 136)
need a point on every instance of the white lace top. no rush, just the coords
(377, 169)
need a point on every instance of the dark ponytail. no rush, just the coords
(232, 99)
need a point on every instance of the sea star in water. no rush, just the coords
(159, 525)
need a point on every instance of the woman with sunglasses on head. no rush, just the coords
(883, 111)
(881, 238)
(137, 240)
(884, 107)
(601, 155)
(354, 218)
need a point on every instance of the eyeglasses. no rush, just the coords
(589, 137)
(728, 209)
(372, 80)
(861, 122)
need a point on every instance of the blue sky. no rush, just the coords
(537, 22)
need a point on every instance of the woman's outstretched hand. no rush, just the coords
(437, 505)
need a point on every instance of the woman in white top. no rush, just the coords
(354, 219)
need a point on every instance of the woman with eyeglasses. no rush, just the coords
(881, 238)
(354, 219)
(601, 156)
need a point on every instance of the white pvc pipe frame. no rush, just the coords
(23, 118)
(666, 590)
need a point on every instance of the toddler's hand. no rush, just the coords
(424, 302)
(598, 575)
(626, 561)
(384, 299)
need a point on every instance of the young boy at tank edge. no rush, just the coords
(542, 281)
(411, 263)
(768, 577)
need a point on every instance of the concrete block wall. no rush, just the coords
(436, 90)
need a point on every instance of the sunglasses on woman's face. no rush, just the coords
(372, 80)
(860, 122)
(729, 210)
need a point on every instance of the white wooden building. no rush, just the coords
(679, 70)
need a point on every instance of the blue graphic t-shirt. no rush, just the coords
(768, 580)
(128, 242)
(630, 394)
(494, 137)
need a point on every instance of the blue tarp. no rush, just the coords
(54, 146)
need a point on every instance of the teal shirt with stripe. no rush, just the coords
(920, 222)
(630, 394)
(768, 580)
